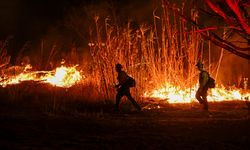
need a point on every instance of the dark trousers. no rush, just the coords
(201, 96)
(125, 92)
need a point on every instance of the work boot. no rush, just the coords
(139, 108)
(205, 107)
(117, 110)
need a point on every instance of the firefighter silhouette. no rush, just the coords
(123, 88)
(201, 94)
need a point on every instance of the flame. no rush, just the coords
(69, 76)
(61, 77)
(64, 77)
(177, 94)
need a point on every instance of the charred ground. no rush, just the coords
(51, 120)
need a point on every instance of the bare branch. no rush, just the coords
(214, 38)
(233, 4)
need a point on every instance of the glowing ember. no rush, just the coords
(176, 94)
(61, 77)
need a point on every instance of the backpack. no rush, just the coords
(211, 82)
(131, 82)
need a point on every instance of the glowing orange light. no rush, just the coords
(177, 94)
(64, 77)
(61, 77)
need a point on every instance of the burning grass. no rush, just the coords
(161, 57)
(60, 77)
(177, 94)
(66, 77)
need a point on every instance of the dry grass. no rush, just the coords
(165, 52)
(45, 98)
(154, 55)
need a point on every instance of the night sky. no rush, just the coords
(30, 18)
(31, 21)
(25, 18)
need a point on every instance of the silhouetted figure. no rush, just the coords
(123, 88)
(248, 105)
(201, 94)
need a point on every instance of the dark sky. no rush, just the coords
(24, 17)
(32, 20)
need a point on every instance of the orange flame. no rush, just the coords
(64, 77)
(177, 94)
(61, 77)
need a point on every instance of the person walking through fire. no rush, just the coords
(201, 94)
(123, 88)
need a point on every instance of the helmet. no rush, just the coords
(199, 64)
(118, 66)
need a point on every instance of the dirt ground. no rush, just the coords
(179, 126)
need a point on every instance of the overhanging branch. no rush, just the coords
(214, 38)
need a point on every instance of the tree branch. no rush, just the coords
(214, 38)
(233, 5)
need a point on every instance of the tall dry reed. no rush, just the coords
(165, 52)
